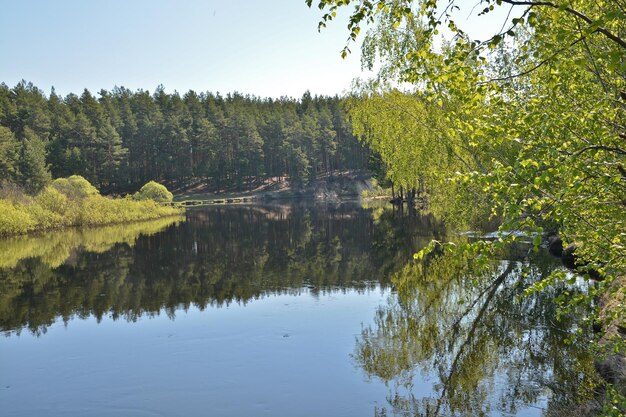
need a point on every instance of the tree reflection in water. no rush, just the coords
(454, 339)
(217, 256)
(490, 350)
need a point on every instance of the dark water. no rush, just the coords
(278, 311)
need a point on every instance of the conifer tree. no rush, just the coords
(9, 151)
(33, 171)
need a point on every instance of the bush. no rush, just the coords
(97, 210)
(53, 210)
(45, 219)
(154, 191)
(74, 202)
(14, 219)
(75, 187)
(53, 200)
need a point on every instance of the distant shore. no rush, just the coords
(330, 188)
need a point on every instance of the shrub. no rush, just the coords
(154, 191)
(53, 200)
(43, 218)
(97, 210)
(52, 210)
(75, 187)
(14, 220)
(75, 202)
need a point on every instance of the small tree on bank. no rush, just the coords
(154, 191)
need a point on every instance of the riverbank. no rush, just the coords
(72, 202)
(330, 188)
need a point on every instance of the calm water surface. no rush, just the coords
(294, 310)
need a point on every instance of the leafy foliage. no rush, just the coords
(73, 202)
(13, 219)
(74, 187)
(539, 105)
(154, 191)
(536, 111)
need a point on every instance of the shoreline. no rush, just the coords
(336, 187)
(78, 227)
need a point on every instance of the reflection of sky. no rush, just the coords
(278, 355)
(281, 355)
(262, 48)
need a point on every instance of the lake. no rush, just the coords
(280, 310)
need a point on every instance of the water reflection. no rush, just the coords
(218, 255)
(56, 248)
(454, 339)
(39, 273)
(486, 349)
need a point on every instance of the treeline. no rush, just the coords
(123, 138)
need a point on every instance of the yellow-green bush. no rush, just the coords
(75, 187)
(45, 219)
(154, 191)
(14, 219)
(74, 202)
(101, 210)
(51, 199)
(51, 210)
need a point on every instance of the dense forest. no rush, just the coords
(122, 139)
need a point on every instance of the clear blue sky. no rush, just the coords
(266, 48)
